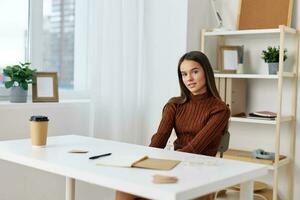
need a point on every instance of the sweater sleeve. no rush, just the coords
(214, 127)
(160, 138)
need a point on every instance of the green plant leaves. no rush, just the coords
(271, 55)
(8, 84)
(20, 75)
(24, 85)
(8, 71)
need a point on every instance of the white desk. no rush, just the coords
(193, 180)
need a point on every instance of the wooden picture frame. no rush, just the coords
(45, 87)
(264, 14)
(229, 58)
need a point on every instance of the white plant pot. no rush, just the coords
(273, 68)
(18, 95)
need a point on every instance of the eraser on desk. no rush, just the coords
(78, 151)
(159, 179)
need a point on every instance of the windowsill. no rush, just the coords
(29, 103)
(64, 96)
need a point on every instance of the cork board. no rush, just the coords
(263, 14)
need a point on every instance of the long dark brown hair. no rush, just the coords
(202, 59)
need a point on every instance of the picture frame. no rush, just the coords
(229, 58)
(45, 87)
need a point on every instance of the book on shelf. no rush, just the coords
(139, 161)
(263, 114)
(260, 118)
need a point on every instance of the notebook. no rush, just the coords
(139, 161)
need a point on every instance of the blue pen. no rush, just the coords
(99, 156)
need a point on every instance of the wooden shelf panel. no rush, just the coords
(241, 155)
(286, 119)
(266, 193)
(254, 76)
(260, 121)
(250, 120)
(250, 32)
(242, 32)
(289, 74)
(282, 162)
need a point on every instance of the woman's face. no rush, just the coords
(193, 77)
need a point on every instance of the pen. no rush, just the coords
(98, 156)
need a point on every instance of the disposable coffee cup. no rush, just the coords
(39, 129)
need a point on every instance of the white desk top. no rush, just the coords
(193, 179)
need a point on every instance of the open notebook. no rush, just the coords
(140, 161)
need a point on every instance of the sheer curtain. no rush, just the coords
(115, 59)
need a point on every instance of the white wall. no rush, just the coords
(200, 16)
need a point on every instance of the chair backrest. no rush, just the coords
(224, 143)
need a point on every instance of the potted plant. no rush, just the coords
(271, 56)
(20, 76)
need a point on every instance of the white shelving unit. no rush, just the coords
(282, 31)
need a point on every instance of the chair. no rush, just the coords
(223, 146)
(224, 143)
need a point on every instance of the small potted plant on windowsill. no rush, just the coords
(20, 76)
(271, 56)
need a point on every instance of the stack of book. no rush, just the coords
(263, 115)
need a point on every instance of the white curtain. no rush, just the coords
(115, 59)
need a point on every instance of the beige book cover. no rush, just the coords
(155, 163)
(139, 161)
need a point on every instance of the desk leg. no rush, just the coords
(70, 188)
(246, 190)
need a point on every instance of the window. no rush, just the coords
(46, 33)
(58, 40)
(13, 33)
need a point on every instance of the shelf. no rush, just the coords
(254, 76)
(65, 102)
(233, 90)
(249, 32)
(286, 119)
(260, 121)
(242, 32)
(259, 192)
(234, 154)
(250, 120)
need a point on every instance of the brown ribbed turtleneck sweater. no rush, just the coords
(198, 124)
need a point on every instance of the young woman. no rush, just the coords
(198, 115)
